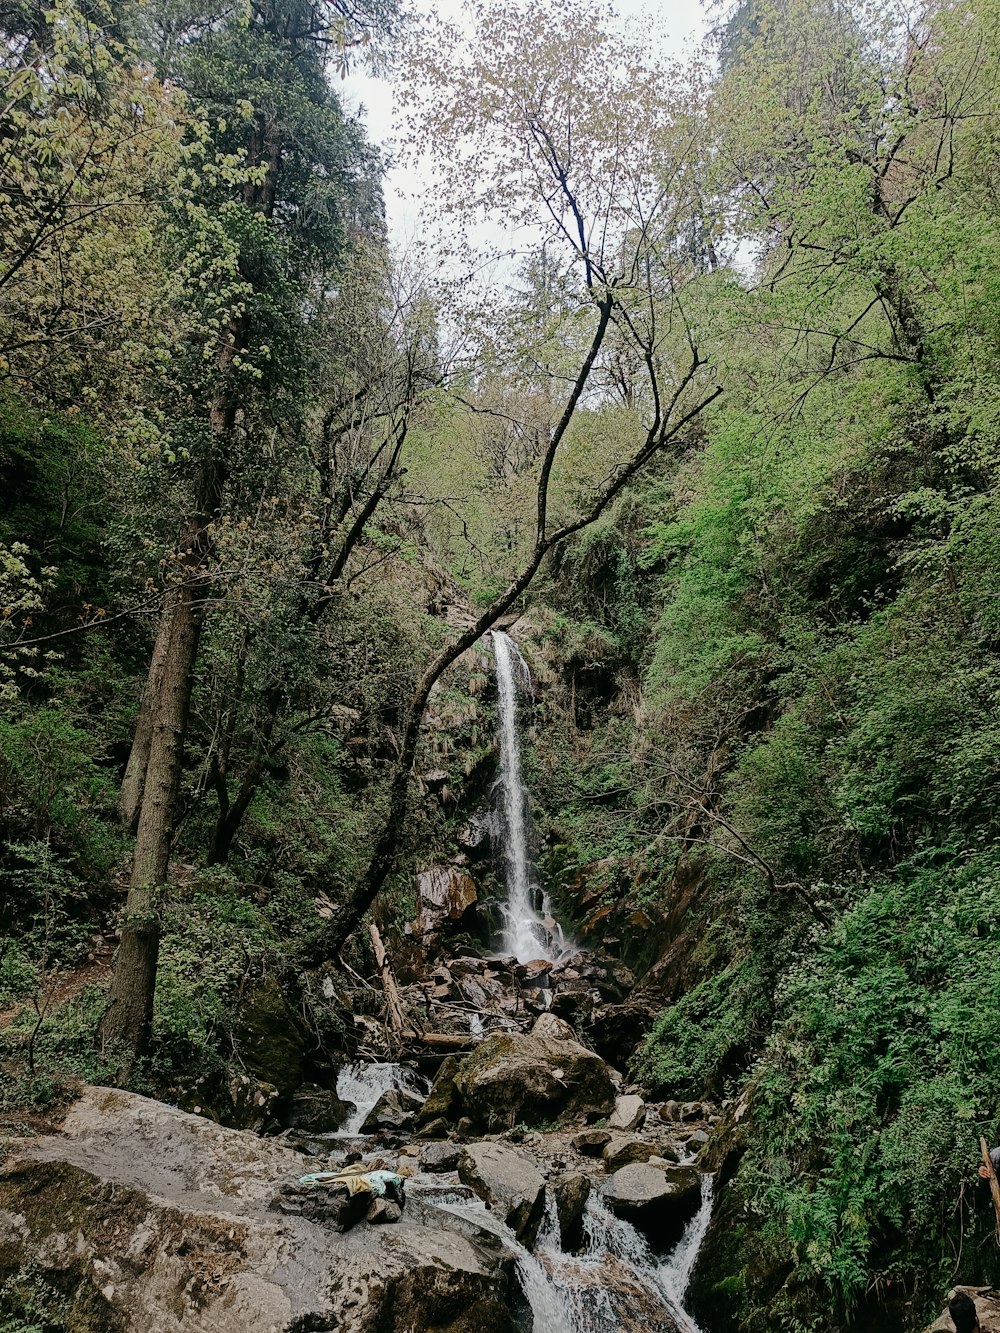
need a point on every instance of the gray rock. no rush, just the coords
(624, 1149)
(629, 1113)
(315, 1110)
(155, 1221)
(383, 1210)
(395, 1109)
(658, 1200)
(571, 1193)
(555, 1029)
(444, 895)
(442, 1102)
(508, 1183)
(696, 1140)
(511, 1078)
(591, 1142)
(440, 1157)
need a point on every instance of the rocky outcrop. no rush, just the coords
(508, 1183)
(315, 1110)
(987, 1303)
(444, 895)
(657, 1199)
(517, 1079)
(155, 1221)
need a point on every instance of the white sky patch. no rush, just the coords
(670, 29)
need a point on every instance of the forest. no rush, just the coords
(692, 384)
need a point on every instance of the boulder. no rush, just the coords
(624, 1149)
(444, 895)
(511, 1078)
(440, 1157)
(629, 1113)
(140, 1218)
(508, 1183)
(987, 1303)
(442, 1102)
(270, 1039)
(396, 1109)
(547, 1025)
(658, 1200)
(315, 1110)
(615, 1030)
(571, 1193)
(591, 1142)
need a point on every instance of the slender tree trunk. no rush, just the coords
(130, 796)
(127, 1021)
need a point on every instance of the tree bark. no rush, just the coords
(126, 1024)
(130, 795)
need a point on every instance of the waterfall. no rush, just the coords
(524, 933)
(364, 1084)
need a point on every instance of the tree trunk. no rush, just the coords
(127, 1020)
(126, 1024)
(130, 796)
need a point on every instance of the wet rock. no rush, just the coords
(151, 1220)
(556, 1029)
(658, 1200)
(629, 1113)
(571, 1194)
(512, 1078)
(440, 1157)
(624, 1149)
(696, 1140)
(508, 1183)
(574, 1004)
(442, 1102)
(315, 1110)
(396, 1109)
(444, 895)
(591, 1142)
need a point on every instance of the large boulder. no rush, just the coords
(629, 1113)
(571, 1193)
(271, 1040)
(139, 1218)
(515, 1079)
(444, 895)
(508, 1183)
(658, 1200)
(315, 1110)
(442, 1102)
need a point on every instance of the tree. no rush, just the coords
(284, 181)
(562, 126)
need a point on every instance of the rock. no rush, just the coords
(145, 1219)
(615, 1031)
(670, 1111)
(383, 1210)
(575, 1004)
(444, 895)
(556, 1029)
(440, 1157)
(987, 1303)
(658, 1200)
(395, 1109)
(571, 1194)
(691, 1111)
(250, 1104)
(624, 1149)
(315, 1110)
(629, 1113)
(508, 1183)
(696, 1140)
(591, 1142)
(434, 1129)
(271, 1040)
(511, 1078)
(535, 973)
(442, 1102)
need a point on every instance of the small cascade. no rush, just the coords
(362, 1085)
(524, 933)
(674, 1274)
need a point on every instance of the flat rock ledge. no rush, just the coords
(156, 1221)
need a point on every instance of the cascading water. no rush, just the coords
(524, 934)
(362, 1085)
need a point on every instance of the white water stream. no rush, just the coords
(524, 933)
(363, 1085)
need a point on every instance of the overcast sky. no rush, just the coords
(677, 24)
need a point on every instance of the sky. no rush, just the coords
(679, 24)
